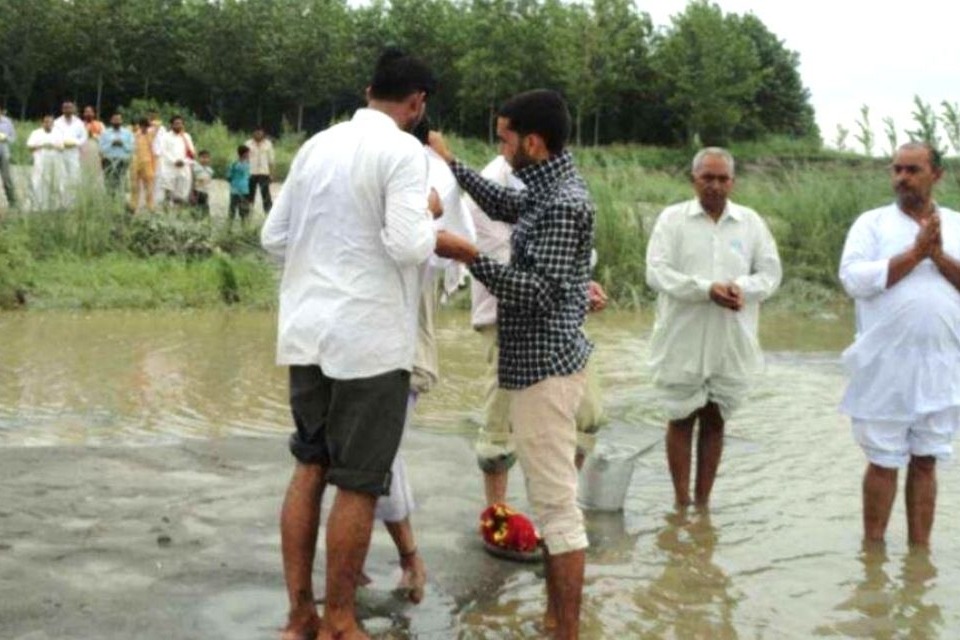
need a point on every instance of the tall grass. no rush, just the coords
(809, 199)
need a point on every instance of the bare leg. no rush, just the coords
(921, 499)
(564, 593)
(299, 521)
(414, 577)
(709, 451)
(348, 539)
(495, 486)
(679, 448)
(879, 491)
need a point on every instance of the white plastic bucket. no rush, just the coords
(605, 477)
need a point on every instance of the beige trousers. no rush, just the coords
(545, 434)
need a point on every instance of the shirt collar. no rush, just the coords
(543, 175)
(367, 115)
(731, 211)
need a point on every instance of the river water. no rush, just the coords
(778, 556)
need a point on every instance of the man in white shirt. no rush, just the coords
(46, 179)
(900, 264)
(73, 134)
(711, 262)
(352, 228)
(177, 155)
(261, 167)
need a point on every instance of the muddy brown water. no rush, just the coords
(778, 556)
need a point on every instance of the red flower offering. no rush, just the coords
(507, 529)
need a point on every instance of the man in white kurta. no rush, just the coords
(177, 154)
(46, 179)
(73, 133)
(900, 265)
(711, 262)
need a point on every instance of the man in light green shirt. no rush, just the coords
(711, 262)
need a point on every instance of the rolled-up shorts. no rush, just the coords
(495, 449)
(890, 443)
(680, 399)
(351, 427)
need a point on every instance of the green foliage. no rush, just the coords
(15, 262)
(927, 124)
(300, 64)
(865, 134)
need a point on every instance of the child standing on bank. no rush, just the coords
(239, 178)
(202, 177)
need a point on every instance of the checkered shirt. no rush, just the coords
(542, 293)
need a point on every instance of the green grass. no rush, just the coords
(97, 256)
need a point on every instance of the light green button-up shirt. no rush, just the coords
(694, 338)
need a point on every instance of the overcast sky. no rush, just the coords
(855, 52)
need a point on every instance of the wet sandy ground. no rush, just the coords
(181, 542)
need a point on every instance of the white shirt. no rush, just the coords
(904, 361)
(176, 148)
(693, 337)
(261, 156)
(455, 218)
(493, 239)
(352, 227)
(73, 133)
(45, 159)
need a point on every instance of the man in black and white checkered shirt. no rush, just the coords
(542, 297)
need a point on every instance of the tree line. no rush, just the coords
(707, 77)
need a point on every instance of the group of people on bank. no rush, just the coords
(158, 164)
(364, 219)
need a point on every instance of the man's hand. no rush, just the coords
(596, 296)
(439, 145)
(727, 295)
(434, 204)
(929, 240)
(450, 245)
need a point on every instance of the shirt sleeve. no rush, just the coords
(408, 233)
(543, 286)
(765, 270)
(665, 273)
(274, 234)
(498, 202)
(862, 274)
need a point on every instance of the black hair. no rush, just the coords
(203, 152)
(242, 149)
(422, 131)
(175, 117)
(542, 112)
(144, 122)
(398, 75)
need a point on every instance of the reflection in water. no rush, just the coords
(772, 561)
(888, 608)
(691, 597)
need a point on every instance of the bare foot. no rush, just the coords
(301, 628)
(414, 578)
(356, 633)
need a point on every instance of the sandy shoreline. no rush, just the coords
(178, 542)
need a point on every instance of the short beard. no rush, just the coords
(521, 160)
(909, 200)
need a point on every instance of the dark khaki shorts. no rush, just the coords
(351, 427)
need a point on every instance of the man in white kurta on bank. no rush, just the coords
(46, 178)
(711, 262)
(352, 227)
(177, 155)
(900, 264)
(73, 134)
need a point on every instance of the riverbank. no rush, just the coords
(97, 256)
